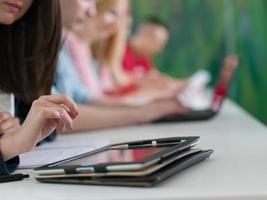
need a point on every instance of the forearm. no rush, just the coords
(120, 102)
(9, 148)
(105, 102)
(9, 160)
(11, 145)
(96, 117)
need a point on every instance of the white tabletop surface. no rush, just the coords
(237, 169)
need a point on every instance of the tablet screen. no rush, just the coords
(116, 156)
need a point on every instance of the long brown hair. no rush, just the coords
(29, 51)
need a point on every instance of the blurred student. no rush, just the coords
(74, 13)
(28, 61)
(108, 47)
(113, 22)
(149, 40)
(107, 35)
(94, 114)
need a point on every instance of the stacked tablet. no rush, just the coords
(139, 164)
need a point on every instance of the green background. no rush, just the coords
(204, 31)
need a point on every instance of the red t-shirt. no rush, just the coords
(136, 66)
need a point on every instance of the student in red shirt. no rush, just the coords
(148, 41)
(136, 65)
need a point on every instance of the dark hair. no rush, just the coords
(154, 20)
(29, 51)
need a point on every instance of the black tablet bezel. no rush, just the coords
(187, 143)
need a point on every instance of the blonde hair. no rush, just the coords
(102, 50)
(103, 6)
(110, 51)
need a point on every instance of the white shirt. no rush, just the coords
(7, 103)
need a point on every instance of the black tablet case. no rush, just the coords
(146, 181)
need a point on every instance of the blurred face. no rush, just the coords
(119, 17)
(105, 25)
(12, 10)
(153, 39)
(76, 11)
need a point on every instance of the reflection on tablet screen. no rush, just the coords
(116, 156)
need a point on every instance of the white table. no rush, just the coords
(237, 169)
